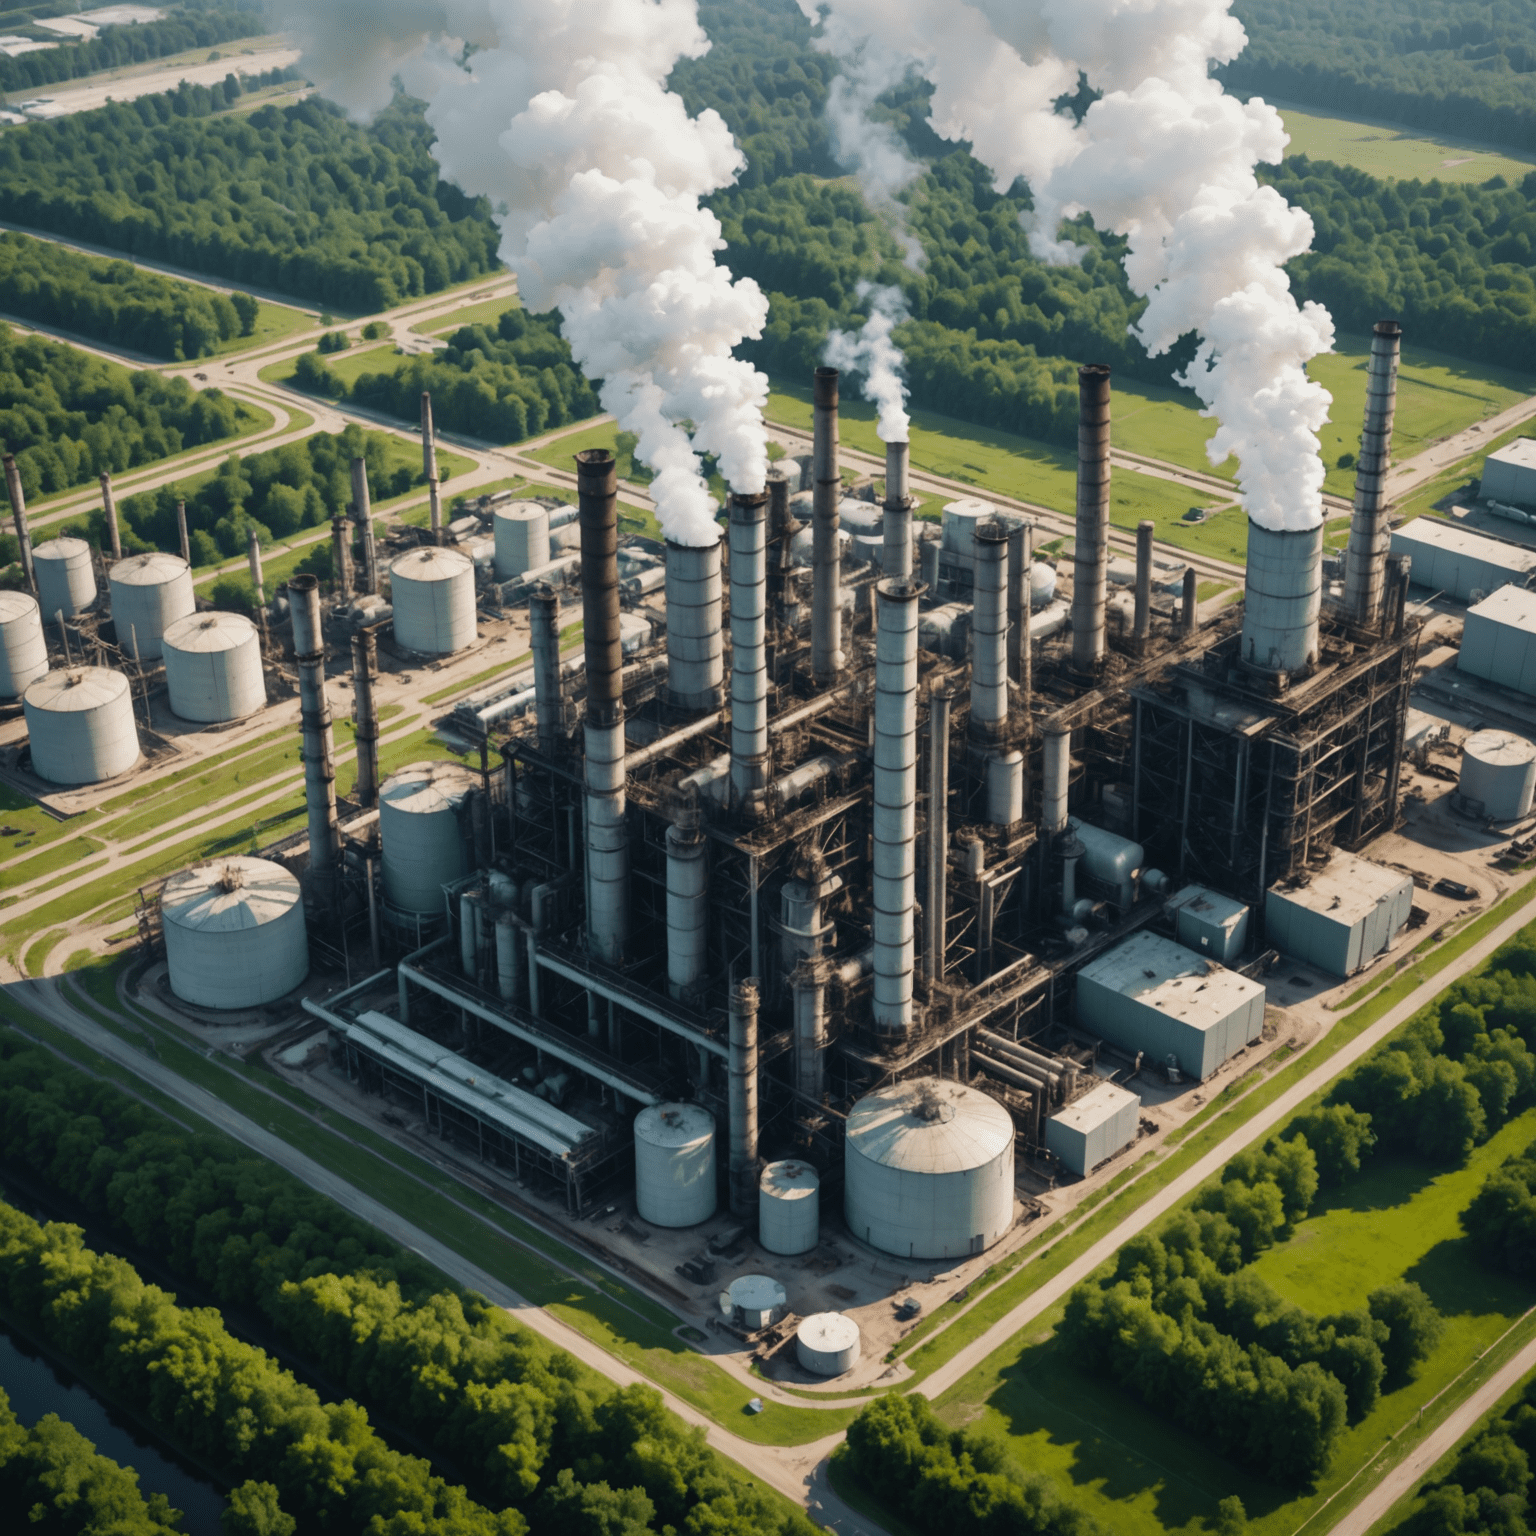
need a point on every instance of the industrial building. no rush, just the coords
(1458, 563)
(1498, 643)
(1509, 474)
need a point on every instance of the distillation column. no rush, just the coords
(1091, 556)
(826, 555)
(365, 672)
(544, 641)
(319, 749)
(749, 651)
(19, 514)
(741, 1073)
(896, 560)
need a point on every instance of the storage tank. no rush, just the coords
(433, 593)
(827, 1343)
(66, 577)
(23, 651)
(234, 933)
(522, 538)
(928, 1170)
(675, 1165)
(1042, 583)
(789, 1207)
(423, 843)
(213, 667)
(1498, 772)
(80, 723)
(149, 593)
(755, 1301)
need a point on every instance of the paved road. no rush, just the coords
(1412, 473)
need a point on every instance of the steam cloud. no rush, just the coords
(558, 112)
(873, 353)
(1166, 159)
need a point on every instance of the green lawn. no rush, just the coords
(273, 323)
(487, 312)
(370, 357)
(1397, 153)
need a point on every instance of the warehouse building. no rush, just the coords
(1499, 642)
(1343, 917)
(1093, 1128)
(1510, 474)
(1460, 563)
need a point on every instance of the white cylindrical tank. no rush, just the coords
(757, 1301)
(213, 667)
(1042, 583)
(522, 538)
(928, 1170)
(789, 1207)
(675, 1164)
(827, 1343)
(1498, 770)
(66, 578)
(866, 517)
(423, 845)
(23, 651)
(433, 592)
(80, 723)
(149, 593)
(234, 933)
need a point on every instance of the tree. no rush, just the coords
(248, 310)
(1231, 1517)
(1339, 1136)
(253, 1510)
(1413, 1326)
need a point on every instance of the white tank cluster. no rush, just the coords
(66, 576)
(213, 667)
(928, 1170)
(827, 1343)
(433, 593)
(1498, 775)
(789, 1207)
(522, 538)
(81, 727)
(423, 843)
(23, 650)
(675, 1165)
(149, 593)
(234, 933)
(755, 1301)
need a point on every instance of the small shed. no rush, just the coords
(1210, 923)
(1103, 1121)
(1346, 914)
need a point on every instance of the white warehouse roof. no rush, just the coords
(1499, 640)
(1510, 473)
(1460, 562)
(1160, 974)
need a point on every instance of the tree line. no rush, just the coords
(114, 301)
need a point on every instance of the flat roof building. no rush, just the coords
(1499, 641)
(1459, 562)
(1093, 1128)
(1510, 473)
(1346, 914)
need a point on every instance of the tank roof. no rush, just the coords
(674, 1125)
(1345, 889)
(1502, 748)
(1160, 974)
(828, 1332)
(429, 563)
(74, 690)
(929, 1125)
(204, 632)
(230, 895)
(423, 788)
(517, 511)
(17, 605)
(61, 548)
(151, 570)
(789, 1180)
(757, 1293)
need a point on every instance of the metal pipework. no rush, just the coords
(181, 530)
(687, 905)
(253, 556)
(365, 671)
(989, 635)
(896, 559)
(1283, 596)
(695, 647)
(827, 657)
(341, 555)
(544, 638)
(937, 904)
(319, 751)
(1369, 537)
(109, 511)
(363, 510)
(1091, 557)
(607, 863)
(741, 1076)
(1056, 778)
(749, 650)
(895, 804)
(19, 515)
(1142, 626)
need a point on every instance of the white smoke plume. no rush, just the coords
(872, 352)
(1166, 159)
(558, 112)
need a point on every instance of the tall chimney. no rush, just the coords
(895, 804)
(181, 531)
(253, 556)
(1056, 779)
(1283, 596)
(1091, 561)
(782, 526)
(826, 558)
(695, 645)
(544, 640)
(1143, 622)
(109, 511)
(1369, 536)
(989, 635)
(341, 555)
(607, 836)
(937, 905)
(429, 467)
(897, 559)
(19, 513)
(365, 670)
(1190, 617)
(319, 750)
(363, 510)
(741, 1072)
(749, 650)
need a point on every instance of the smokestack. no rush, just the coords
(365, 670)
(253, 555)
(19, 513)
(1091, 560)
(109, 510)
(544, 638)
(938, 832)
(897, 560)
(607, 837)
(989, 635)
(319, 750)
(826, 559)
(895, 800)
(363, 509)
(782, 527)
(181, 531)
(741, 1073)
(1283, 596)
(1143, 623)
(749, 650)
(1190, 617)
(695, 646)
(1056, 779)
(341, 555)
(687, 904)
(429, 466)
(1019, 552)
(1369, 536)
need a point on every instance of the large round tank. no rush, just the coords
(827, 1343)
(928, 1170)
(789, 1207)
(66, 577)
(234, 933)
(756, 1301)
(1042, 583)
(81, 726)
(23, 651)
(695, 644)
(1283, 597)
(1498, 771)
(213, 667)
(861, 516)
(149, 593)
(961, 520)
(522, 538)
(423, 845)
(433, 592)
(675, 1165)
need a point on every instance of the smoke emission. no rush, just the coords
(558, 112)
(1164, 158)
(872, 353)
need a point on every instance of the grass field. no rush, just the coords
(273, 323)
(487, 312)
(1395, 153)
